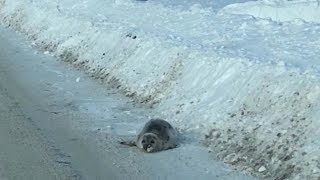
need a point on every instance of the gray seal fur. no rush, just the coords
(156, 135)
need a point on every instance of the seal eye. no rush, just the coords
(143, 141)
(152, 141)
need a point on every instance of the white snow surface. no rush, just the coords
(280, 10)
(250, 85)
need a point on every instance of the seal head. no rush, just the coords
(150, 142)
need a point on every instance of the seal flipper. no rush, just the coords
(128, 143)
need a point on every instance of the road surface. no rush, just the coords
(58, 123)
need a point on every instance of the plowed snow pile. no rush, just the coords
(246, 87)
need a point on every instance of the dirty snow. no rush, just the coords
(246, 87)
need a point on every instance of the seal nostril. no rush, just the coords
(145, 147)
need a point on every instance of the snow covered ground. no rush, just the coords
(280, 10)
(59, 123)
(244, 84)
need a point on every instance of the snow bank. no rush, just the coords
(259, 115)
(280, 10)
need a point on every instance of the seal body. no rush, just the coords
(156, 135)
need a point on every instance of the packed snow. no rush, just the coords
(241, 78)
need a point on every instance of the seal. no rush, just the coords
(156, 135)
